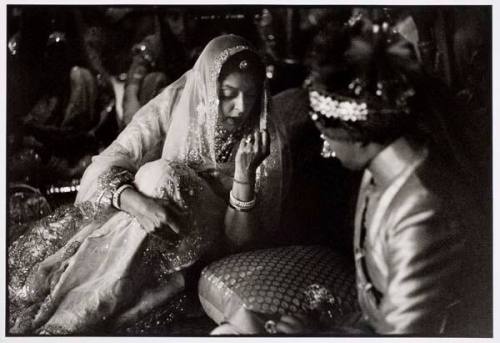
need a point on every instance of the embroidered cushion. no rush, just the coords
(278, 281)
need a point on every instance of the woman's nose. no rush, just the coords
(239, 106)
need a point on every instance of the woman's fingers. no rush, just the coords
(172, 207)
(146, 224)
(162, 213)
(173, 224)
(266, 143)
(256, 142)
(249, 139)
(245, 143)
(171, 216)
(253, 149)
(242, 143)
(264, 138)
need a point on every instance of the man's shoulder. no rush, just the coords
(428, 189)
(415, 191)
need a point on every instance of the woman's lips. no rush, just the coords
(231, 123)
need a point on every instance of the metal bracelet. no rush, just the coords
(116, 195)
(241, 182)
(241, 205)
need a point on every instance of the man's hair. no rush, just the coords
(366, 62)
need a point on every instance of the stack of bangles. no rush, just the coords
(116, 195)
(243, 206)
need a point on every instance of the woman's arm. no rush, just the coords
(241, 224)
(140, 142)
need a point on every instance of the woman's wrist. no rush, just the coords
(243, 182)
(116, 199)
(130, 201)
(243, 188)
(244, 177)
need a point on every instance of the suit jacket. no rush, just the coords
(408, 253)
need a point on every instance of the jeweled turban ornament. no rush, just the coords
(365, 96)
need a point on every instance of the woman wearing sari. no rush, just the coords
(198, 168)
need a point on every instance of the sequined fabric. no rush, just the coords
(225, 142)
(222, 58)
(109, 182)
(85, 267)
(42, 239)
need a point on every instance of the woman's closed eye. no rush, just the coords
(227, 93)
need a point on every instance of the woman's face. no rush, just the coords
(238, 93)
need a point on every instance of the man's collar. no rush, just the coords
(392, 161)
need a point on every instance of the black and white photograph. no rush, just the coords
(247, 170)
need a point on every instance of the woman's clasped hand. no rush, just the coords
(252, 150)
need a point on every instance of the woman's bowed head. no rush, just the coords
(239, 94)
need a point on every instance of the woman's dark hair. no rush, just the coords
(247, 62)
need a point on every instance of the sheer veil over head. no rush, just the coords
(190, 138)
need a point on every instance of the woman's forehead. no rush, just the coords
(239, 80)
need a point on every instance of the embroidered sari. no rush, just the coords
(90, 268)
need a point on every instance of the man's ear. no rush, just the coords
(369, 148)
(319, 125)
(359, 147)
(362, 144)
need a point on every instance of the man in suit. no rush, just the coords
(411, 246)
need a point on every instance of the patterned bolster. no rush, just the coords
(271, 282)
(109, 182)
